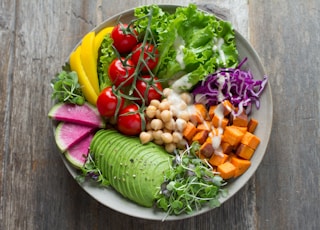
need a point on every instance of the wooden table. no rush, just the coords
(36, 190)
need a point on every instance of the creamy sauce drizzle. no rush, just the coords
(181, 83)
(179, 46)
(218, 47)
(216, 136)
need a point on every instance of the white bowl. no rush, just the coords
(113, 200)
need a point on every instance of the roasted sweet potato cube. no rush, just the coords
(212, 109)
(201, 156)
(201, 136)
(232, 135)
(227, 107)
(240, 120)
(217, 122)
(242, 129)
(207, 149)
(245, 152)
(218, 159)
(226, 147)
(214, 132)
(200, 114)
(241, 165)
(252, 125)
(226, 170)
(206, 125)
(189, 131)
(251, 140)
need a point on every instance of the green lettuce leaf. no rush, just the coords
(191, 43)
(106, 56)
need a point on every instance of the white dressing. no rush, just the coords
(182, 83)
(179, 45)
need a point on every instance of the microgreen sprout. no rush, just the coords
(66, 87)
(91, 170)
(189, 184)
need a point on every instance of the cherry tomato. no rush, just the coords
(121, 71)
(149, 92)
(124, 38)
(150, 56)
(107, 102)
(129, 124)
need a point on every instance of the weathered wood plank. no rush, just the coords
(7, 22)
(286, 35)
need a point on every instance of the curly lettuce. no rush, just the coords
(191, 43)
(106, 56)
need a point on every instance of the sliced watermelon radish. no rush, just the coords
(85, 114)
(68, 134)
(77, 154)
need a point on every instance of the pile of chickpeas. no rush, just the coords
(166, 120)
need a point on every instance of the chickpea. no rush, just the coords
(181, 124)
(186, 97)
(145, 137)
(155, 103)
(176, 137)
(174, 110)
(151, 111)
(167, 92)
(158, 114)
(165, 130)
(157, 134)
(158, 141)
(182, 105)
(171, 125)
(170, 147)
(148, 126)
(156, 124)
(166, 138)
(164, 105)
(182, 144)
(166, 115)
(185, 115)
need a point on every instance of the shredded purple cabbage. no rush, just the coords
(237, 86)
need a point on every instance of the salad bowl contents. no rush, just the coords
(162, 112)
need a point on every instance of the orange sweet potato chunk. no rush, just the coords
(232, 135)
(200, 136)
(201, 156)
(251, 140)
(240, 120)
(241, 165)
(206, 149)
(226, 147)
(220, 123)
(212, 111)
(204, 126)
(245, 152)
(217, 159)
(252, 125)
(226, 170)
(189, 131)
(200, 115)
(242, 129)
(227, 107)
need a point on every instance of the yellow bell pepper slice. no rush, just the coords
(99, 38)
(87, 89)
(89, 60)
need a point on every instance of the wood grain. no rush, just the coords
(37, 192)
(288, 43)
